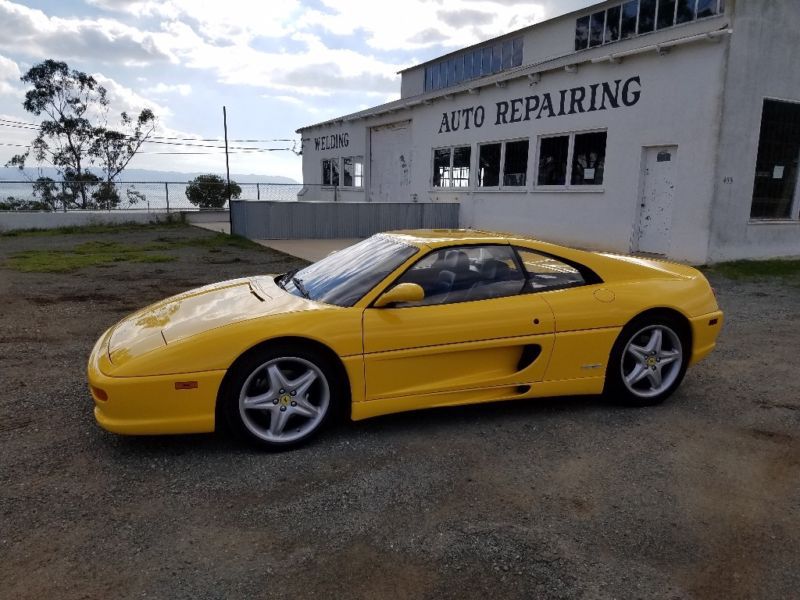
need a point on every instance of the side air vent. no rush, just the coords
(529, 355)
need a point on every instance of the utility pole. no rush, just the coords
(227, 167)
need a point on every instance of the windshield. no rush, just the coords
(344, 277)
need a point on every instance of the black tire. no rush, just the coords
(251, 380)
(624, 364)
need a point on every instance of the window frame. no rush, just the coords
(443, 73)
(451, 187)
(338, 161)
(568, 185)
(718, 7)
(342, 170)
(514, 254)
(794, 205)
(588, 275)
(501, 187)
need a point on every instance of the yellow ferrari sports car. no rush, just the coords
(402, 321)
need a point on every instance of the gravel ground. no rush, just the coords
(563, 498)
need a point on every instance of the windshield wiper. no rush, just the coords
(298, 283)
(281, 280)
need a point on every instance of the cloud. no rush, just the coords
(406, 26)
(124, 99)
(465, 17)
(32, 32)
(9, 77)
(161, 89)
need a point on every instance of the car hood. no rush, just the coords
(199, 310)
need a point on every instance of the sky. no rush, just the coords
(276, 65)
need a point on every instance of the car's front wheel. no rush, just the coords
(279, 398)
(648, 361)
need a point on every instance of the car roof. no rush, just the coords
(607, 266)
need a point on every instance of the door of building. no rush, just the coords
(657, 197)
(390, 163)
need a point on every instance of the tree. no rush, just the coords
(74, 133)
(211, 191)
(113, 150)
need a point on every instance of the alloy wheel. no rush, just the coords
(284, 399)
(651, 361)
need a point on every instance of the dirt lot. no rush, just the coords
(566, 498)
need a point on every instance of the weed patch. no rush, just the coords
(754, 269)
(90, 254)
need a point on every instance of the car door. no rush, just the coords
(474, 331)
(587, 318)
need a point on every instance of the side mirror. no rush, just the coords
(405, 292)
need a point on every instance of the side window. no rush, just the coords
(545, 272)
(465, 274)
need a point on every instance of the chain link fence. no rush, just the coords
(152, 196)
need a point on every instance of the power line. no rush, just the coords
(27, 125)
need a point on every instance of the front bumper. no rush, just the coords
(151, 405)
(705, 330)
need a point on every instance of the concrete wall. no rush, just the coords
(12, 221)
(762, 63)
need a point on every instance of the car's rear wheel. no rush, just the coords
(648, 361)
(279, 398)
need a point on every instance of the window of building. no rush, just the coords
(775, 190)
(553, 156)
(353, 171)
(451, 167)
(612, 24)
(577, 158)
(473, 64)
(588, 158)
(330, 171)
(647, 15)
(684, 11)
(441, 167)
(516, 58)
(497, 58)
(509, 158)
(596, 28)
(465, 274)
(489, 165)
(666, 14)
(625, 20)
(462, 157)
(630, 14)
(515, 167)
(582, 33)
(707, 8)
(468, 66)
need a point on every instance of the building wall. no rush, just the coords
(678, 105)
(762, 63)
(555, 38)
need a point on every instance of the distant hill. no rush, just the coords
(143, 175)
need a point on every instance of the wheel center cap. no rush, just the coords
(651, 361)
(285, 399)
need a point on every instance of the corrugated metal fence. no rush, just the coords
(332, 220)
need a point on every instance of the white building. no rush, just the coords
(663, 126)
